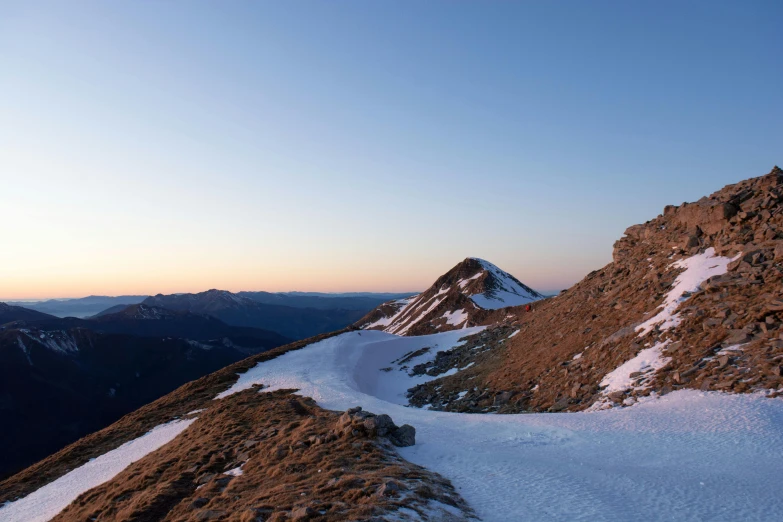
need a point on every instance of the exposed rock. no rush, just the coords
(303, 513)
(404, 436)
(356, 422)
(737, 337)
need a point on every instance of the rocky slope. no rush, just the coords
(233, 309)
(464, 296)
(692, 299)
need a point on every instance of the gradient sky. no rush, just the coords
(352, 146)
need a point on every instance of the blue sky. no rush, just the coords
(338, 146)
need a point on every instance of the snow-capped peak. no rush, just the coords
(453, 300)
(501, 289)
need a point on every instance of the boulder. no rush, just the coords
(502, 398)
(303, 513)
(379, 426)
(737, 337)
(779, 251)
(389, 489)
(403, 436)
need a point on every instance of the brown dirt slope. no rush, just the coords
(297, 462)
(535, 370)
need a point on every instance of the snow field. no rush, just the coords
(686, 456)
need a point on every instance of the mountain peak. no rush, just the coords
(457, 299)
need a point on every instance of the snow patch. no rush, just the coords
(386, 321)
(46, 502)
(235, 472)
(647, 360)
(698, 269)
(456, 317)
(462, 283)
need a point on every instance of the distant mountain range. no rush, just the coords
(97, 304)
(62, 378)
(349, 301)
(10, 313)
(295, 322)
(81, 307)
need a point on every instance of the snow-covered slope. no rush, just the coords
(456, 300)
(48, 501)
(687, 456)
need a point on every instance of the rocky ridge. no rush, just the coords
(646, 323)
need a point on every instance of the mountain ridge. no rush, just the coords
(236, 310)
(688, 307)
(467, 295)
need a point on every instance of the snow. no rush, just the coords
(513, 334)
(435, 302)
(364, 365)
(501, 299)
(456, 317)
(688, 455)
(57, 340)
(509, 293)
(401, 322)
(25, 350)
(235, 472)
(698, 269)
(46, 502)
(462, 283)
(386, 321)
(647, 360)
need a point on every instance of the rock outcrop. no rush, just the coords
(355, 422)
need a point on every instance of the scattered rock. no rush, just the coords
(737, 337)
(199, 503)
(210, 514)
(303, 513)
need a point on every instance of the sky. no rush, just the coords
(177, 146)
